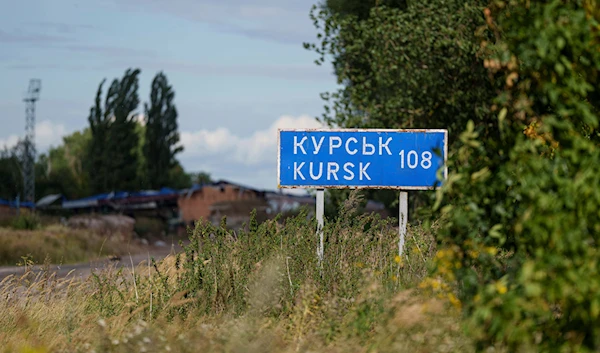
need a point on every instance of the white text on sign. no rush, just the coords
(351, 146)
(315, 171)
(362, 158)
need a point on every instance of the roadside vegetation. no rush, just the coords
(505, 259)
(27, 241)
(254, 290)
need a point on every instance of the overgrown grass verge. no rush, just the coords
(56, 244)
(260, 290)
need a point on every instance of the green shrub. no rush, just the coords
(270, 269)
(403, 65)
(26, 222)
(522, 222)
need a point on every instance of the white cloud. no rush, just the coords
(9, 141)
(259, 147)
(47, 134)
(249, 159)
(244, 158)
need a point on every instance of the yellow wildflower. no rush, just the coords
(491, 250)
(501, 287)
(454, 300)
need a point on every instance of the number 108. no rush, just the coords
(412, 159)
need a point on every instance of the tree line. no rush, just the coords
(517, 84)
(403, 65)
(121, 149)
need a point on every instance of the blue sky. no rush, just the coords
(238, 68)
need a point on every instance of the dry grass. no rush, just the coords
(46, 314)
(57, 244)
(238, 291)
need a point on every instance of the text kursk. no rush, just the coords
(335, 144)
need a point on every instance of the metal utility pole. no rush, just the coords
(29, 153)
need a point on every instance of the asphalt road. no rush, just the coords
(83, 270)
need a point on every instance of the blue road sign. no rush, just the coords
(356, 158)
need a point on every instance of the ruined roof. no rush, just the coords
(48, 200)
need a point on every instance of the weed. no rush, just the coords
(57, 243)
(26, 222)
(253, 290)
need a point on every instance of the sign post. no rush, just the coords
(320, 204)
(362, 158)
(402, 220)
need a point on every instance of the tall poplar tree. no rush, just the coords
(96, 164)
(162, 138)
(113, 155)
(123, 139)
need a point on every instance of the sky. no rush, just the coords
(238, 68)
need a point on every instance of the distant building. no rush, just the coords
(177, 208)
(125, 202)
(50, 203)
(238, 211)
(284, 203)
(288, 203)
(10, 209)
(212, 201)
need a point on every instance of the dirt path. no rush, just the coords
(83, 270)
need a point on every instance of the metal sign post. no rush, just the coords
(361, 158)
(402, 220)
(319, 214)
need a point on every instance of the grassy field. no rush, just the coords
(57, 244)
(260, 290)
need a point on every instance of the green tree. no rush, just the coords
(531, 193)
(404, 65)
(62, 169)
(140, 131)
(178, 178)
(161, 136)
(414, 66)
(97, 157)
(123, 140)
(113, 152)
(201, 178)
(11, 179)
(361, 9)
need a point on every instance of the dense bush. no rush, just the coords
(404, 64)
(264, 268)
(26, 222)
(522, 222)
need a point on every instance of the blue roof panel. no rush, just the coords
(13, 204)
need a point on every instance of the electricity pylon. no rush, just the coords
(29, 153)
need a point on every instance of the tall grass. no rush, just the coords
(58, 244)
(254, 290)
